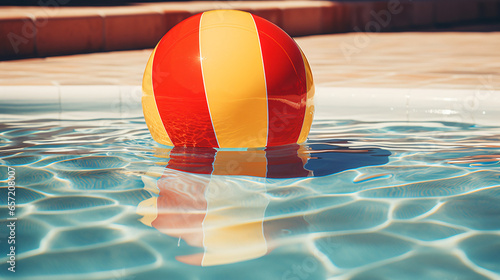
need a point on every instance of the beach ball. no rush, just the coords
(227, 79)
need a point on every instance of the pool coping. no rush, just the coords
(480, 106)
(47, 31)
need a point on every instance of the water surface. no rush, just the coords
(99, 199)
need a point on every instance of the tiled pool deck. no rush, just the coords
(452, 60)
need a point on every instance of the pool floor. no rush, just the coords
(99, 199)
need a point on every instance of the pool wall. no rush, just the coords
(479, 106)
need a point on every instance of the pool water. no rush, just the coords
(99, 199)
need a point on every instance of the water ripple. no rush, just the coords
(356, 250)
(400, 200)
(71, 203)
(483, 250)
(90, 163)
(435, 265)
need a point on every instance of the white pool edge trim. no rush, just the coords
(475, 106)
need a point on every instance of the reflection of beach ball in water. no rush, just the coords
(227, 79)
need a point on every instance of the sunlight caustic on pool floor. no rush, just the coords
(99, 199)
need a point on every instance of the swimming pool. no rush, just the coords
(392, 184)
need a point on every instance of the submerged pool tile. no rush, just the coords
(429, 266)
(21, 211)
(357, 250)
(47, 160)
(21, 160)
(71, 203)
(353, 216)
(424, 231)
(26, 176)
(20, 194)
(159, 273)
(52, 186)
(129, 197)
(29, 235)
(320, 202)
(83, 216)
(424, 173)
(339, 183)
(90, 163)
(289, 192)
(82, 237)
(101, 179)
(480, 210)
(483, 250)
(56, 219)
(77, 264)
(280, 208)
(438, 188)
(408, 209)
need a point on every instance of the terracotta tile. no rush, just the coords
(350, 19)
(332, 18)
(401, 15)
(57, 36)
(468, 10)
(17, 38)
(446, 11)
(380, 18)
(174, 17)
(344, 20)
(422, 13)
(488, 9)
(134, 31)
(360, 14)
(273, 15)
(498, 9)
(302, 21)
(62, 11)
